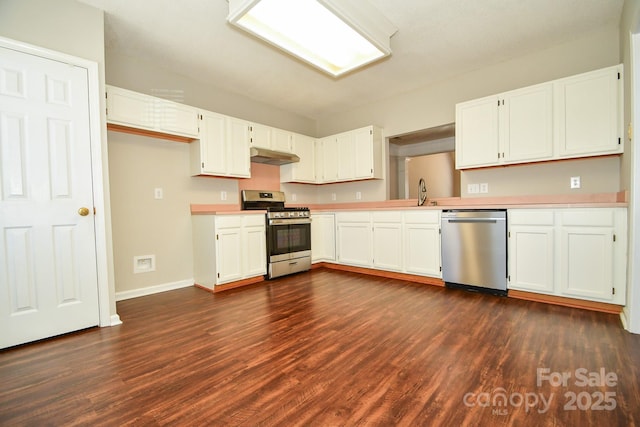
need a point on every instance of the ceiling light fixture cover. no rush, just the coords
(336, 36)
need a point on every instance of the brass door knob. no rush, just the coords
(83, 211)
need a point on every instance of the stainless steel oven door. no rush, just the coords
(288, 239)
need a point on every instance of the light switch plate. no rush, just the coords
(484, 187)
(358, 195)
(473, 188)
(223, 195)
(158, 194)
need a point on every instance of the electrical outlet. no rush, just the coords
(575, 182)
(158, 193)
(473, 188)
(484, 187)
(358, 195)
(333, 196)
(223, 195)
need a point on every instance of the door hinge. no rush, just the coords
(94, 210)
(371, 170)
(619, 141)
(439, 230)
(440, 268)
(618, 76)
(250, 128)
(498, 102)
(509, 278)
(106, 110)
(614, 237)
(202, 165)
(613, 291)
(218, 275)
(509, 234)
(370, 132)
(217, 237)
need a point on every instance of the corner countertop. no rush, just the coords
(600, 200)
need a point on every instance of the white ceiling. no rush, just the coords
(436, 40)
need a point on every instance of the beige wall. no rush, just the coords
(439, 173)
(142, 76)
(143, 225)
(435, 105)
(75, 29)
(597, 175)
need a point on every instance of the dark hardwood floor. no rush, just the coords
(328, 348)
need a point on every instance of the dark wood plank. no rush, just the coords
(325, 348)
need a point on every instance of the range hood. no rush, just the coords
(270, 157)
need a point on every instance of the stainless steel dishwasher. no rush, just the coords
(474, 250)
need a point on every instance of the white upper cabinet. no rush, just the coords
(346, 156)
(577, 116)
(349, 156)
(223, 147)
(305, 170)
(588, 111)
(329, 157)
(208, 154)
(477, 133)
(281, 140)
(512, 127)
(140, 111)
(526, 124)
(271, 138)
(260, 136)
(238, 147)
(130, 108)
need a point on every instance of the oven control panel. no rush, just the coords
(289, 214)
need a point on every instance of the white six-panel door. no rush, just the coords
(48, 273)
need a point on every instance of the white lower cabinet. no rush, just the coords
(228, 248)
(421, 232)
(353, 238)
(576, 253)
(399, 241)
(323, 237)
(531, 254)
(387, 240)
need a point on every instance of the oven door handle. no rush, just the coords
(289, 221)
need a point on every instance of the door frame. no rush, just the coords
(99, 171)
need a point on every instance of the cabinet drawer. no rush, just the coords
(588, 218)
(254, 220)
(424, 217)
(530, 217)
(352, 217)
(229, 221)
(387, 216)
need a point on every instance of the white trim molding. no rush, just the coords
(150, 290)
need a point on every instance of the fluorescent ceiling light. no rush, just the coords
(336, 36)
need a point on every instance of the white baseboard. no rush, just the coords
(115, 320)
(135, 293)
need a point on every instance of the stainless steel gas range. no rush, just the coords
(288, 232)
